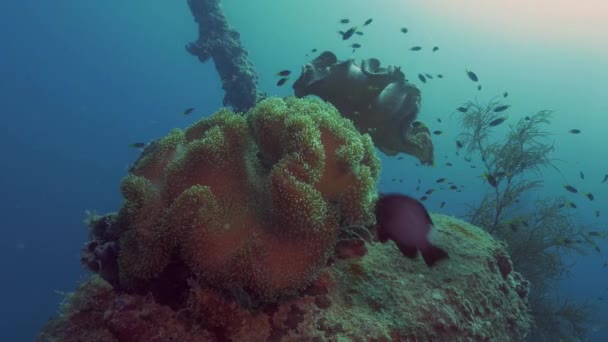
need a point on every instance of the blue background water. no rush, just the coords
(81, 80)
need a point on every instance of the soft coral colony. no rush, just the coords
(250, 202)
(236, 229)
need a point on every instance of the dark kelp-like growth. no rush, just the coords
(379, 100)
(539, 239)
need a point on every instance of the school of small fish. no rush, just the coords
(494, 180)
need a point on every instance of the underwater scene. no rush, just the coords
(390, 170)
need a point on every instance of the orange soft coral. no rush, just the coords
(252, 201)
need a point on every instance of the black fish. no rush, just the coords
(589, 196)
(439, 76)
(501, 108)
(497, 122)
(567, 204)
(479, 87)
(424, 198)
(574, 131)
(349, 33)
(429, 76)
(282, 81)
(188, 111)
(442, 205)
(527, 118)
(597, 213)
(448, 164)
(406, 221)
(462, 109)
(491, 180)
(453, 187)
(422, 78)
(472, 76)
(437, 132)
(581, 174)
(138, 145)
(367, 22)
(505, 94)
(435, 48)
(429, 191)
(440, 180)
(404, 29)
(359, 33)
(439, 120)
(355, 45)
(284, 73)
(416, 48)
(570, 188)
(605, 178)
(417, 124)
(344, 21)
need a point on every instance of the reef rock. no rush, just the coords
(367, 292)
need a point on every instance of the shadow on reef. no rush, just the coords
(259, 227)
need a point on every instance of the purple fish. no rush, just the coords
(405, 221)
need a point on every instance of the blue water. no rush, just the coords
(81, 80)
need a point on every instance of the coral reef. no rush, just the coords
(251, 201)
(367, 292)
(378, 100)
(217, 40)
(259, 227)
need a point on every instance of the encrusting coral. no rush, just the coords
(250, 201)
